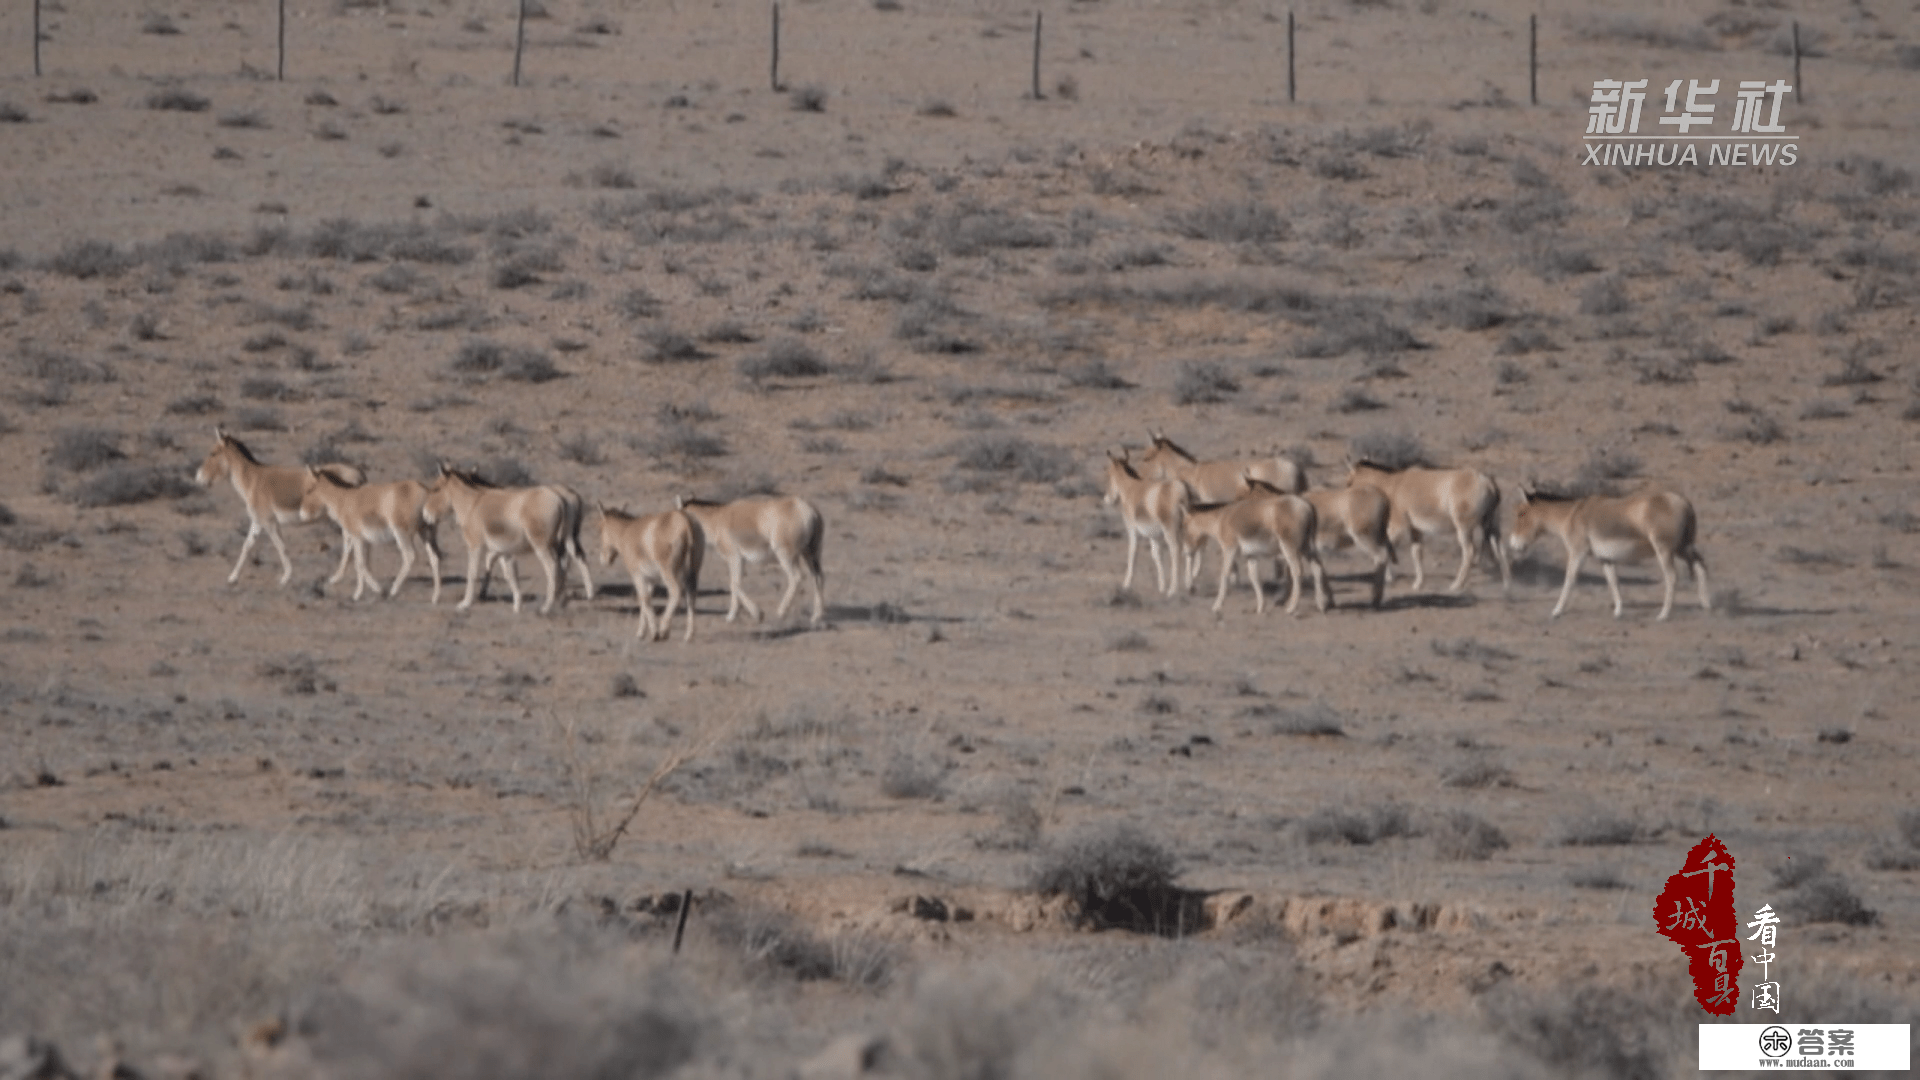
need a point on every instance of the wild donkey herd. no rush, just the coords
(1251, 510)
(1262, 509)
(500, 524)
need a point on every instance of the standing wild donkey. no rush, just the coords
(1155, 509)
(1266, 524)
(788, 529)
(272, 494)
(370, 515)
(1657, 524)
(1427, 501)
(666, 547)
(506, 522)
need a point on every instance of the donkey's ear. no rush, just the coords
(219, 433)
(679, 502)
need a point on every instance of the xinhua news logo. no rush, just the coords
(1806, 1046)
(1753, 134)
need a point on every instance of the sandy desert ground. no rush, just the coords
(263, 830)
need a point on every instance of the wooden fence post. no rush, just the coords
(1289, 56)
(1036, 57)
(680, 930)
(281, 69)
(519, 41)
(36, 38)
(774, 69)
(1533, 59)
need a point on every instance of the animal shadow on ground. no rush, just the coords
(1427, 602)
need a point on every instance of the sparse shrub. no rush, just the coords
(676, 439)
(1233, 222)
(1029, 462)
(1354, 399)
(1595, 829)
(85, 449)
(1095, 375)
(84, 259)
(1606, 296)
(483, 357)
(177, 99)
(810, 98)
(1598, 877)
(937, 108)
(1460, 835)
(786, 358)
(1629, 29)
(124, 485)
(249, 119)
(1396, 448)
(1828, 898)
(194, 405)
(611, 176)
(1114, 875)
(1352, 327)
(666, 345)
(911, 776)
(1477, 771)
(13, 114)
(1130, 641)
(552, 1003)
(1369, 825)
(1602, 468)
(582, 449)
(1203, 383)
(1318, 719)
(1478, 307)
(639, 304)
(1825, 409)
(159, 24)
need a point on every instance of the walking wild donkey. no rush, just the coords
(506, 522)
(1266, 524)
(1426, 502)
(665, 547)
(787, 529)
(1657, 524)
(272, 494)
(370, 515)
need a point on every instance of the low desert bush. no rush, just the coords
(1029, 462)
(1595, 829)
(1462, 836)
(1114, 875)
(1367, 825)
(1203, 383)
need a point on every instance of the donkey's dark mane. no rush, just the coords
(1162, 440)
(242, 448)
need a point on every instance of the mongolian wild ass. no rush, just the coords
(1427, 501)
(1349, 518)
(665, 547)
(1217, 481)
(1279, 526)
(370, 515)
(787, 529)
(272, 494)
(1155, 509)
(506, 522)
(1614, 530)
